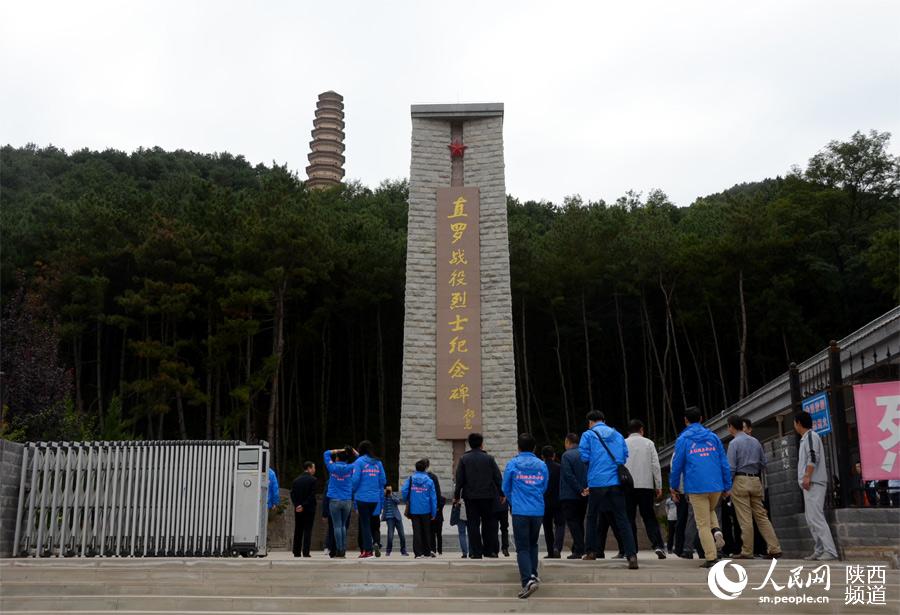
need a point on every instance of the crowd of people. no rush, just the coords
(601, 482)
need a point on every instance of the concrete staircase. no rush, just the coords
(281, 584)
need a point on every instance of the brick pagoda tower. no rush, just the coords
(326, 156)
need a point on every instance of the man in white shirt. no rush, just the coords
(812, 475)
(643, 463)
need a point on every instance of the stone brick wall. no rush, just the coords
(430, 170)
(484, 167)
(10, 475)
(869, 533)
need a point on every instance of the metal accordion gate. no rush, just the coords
(142, 499)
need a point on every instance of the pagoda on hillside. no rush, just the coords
(326, 156)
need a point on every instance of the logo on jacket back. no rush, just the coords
(530, 479)
(702, 451)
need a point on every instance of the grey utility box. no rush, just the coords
(251, 489)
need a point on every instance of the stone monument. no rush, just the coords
(326, 155)
(458, 363)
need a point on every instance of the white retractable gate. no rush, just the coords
(135, 499)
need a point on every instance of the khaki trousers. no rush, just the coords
(747, 496)
(704, 505)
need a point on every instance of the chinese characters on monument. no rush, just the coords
(458, 313)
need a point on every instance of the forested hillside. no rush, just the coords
(180, 295)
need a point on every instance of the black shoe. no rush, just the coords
(464, 556)
(661, 554)
(619, 556)
(709, 563)
(505, 552)
(491, 555)
(632, 562)
(573, 556)
(686, 555)
(475, 556)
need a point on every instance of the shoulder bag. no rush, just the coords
(625, 479)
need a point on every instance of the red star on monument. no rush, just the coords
(457, 149)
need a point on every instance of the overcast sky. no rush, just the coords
(601, 97)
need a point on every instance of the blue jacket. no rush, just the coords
(602, 471)
(418, 490)
(700, 457)
(368, 480)
(573, 475)
(340, 479)
(391, 507)
(524, 483)
(274, 497)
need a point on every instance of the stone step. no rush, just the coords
(319, 585)
(353, 604)
(263, 587)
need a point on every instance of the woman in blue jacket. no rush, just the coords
(340, 492)
(369, 480)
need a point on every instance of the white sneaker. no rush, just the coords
(720, 539)
(813, 557)
(530, 588)
(536, 578)
(827, 557)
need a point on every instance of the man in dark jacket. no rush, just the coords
(572, 501)
(478, 482)
(303, 497)
(554, 527)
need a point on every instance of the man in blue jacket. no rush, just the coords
(572, 484)
(604, 492)
(524, 483)
(419, 491)
(369, 480)
(700, 458)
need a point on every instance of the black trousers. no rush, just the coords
(303, 524)
(574, 512)
(503, 525)
(374, 531)
(421, 526)
(607, 522)
(553, 522)
(681, 507)
(481, 525)
(642, 499)
(437, 534)
(607, 504)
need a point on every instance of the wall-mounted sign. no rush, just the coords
(818, 407)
